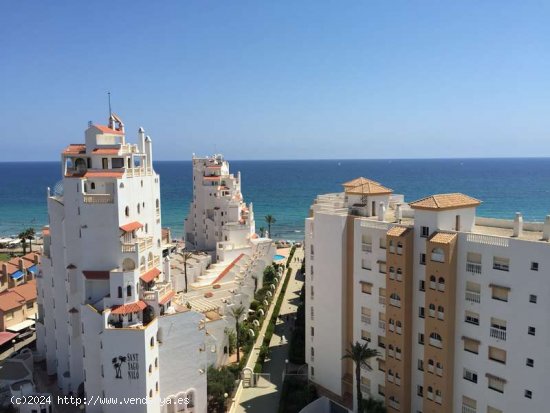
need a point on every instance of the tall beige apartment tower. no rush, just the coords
(457, 305)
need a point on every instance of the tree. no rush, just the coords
(262, 232)
(30, 236)
(360, 354)
(186, 255)
(231, 339)
(23, 237)
(237, 313)
(270, 220)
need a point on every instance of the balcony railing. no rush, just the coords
(98, 198)
(473, 297)
(501, 266)
(473, 267)
(140, 244)
(498, 333)
(367, 247)
(468, 409)
(157, 292)
(435, 343)
(397, 382)
(438, 399)
(143, 171)
(395, 303)
(365, 319)
(437, 257)
(398, 355)
(393, 404)
(399, 250)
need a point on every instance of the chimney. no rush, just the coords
(518, 225)
(398, 213)
(546, 229)
(149, 151)
(141, 139)
(381, 211)
(21, 266)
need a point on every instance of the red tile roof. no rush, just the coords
(131, 226)
(96, 275)
(129, 308)
(227, 269)
(106, 129)
(106, 151)
(17, 296)
(167, 297)
(75, 149)
(150, 275)
(6, 336)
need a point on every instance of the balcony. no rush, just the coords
(366, 247)
(98, 198)
(365, 319)
(473, 297)
(468, 409)
(395, 303)
(139, 245)
(158, 291)
(382, 300)
(435, 343)
(393, 404)
(391, 327)
(142, 171)
(497, 333)
(438, 399)
(398, 381)
(398, 355)
(439, 371)
(398, 329)
(391, 353)
(399, 250)
(437, 257)
(473, 267)
(382, 325)
(501, 266)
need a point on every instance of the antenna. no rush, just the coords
(109, 97)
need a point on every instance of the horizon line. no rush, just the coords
(328, 159)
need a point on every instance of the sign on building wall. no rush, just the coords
(126, 366)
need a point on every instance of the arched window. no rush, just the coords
(398, 324)
(430, 362)
(390, 372)
(152, 341)
(435, 340)
(438, 255)
(157, 386)
(128, 264)
(391, 243)
(392, 270)
(440, 312)
(127, 211)
(119, 292)
(147, 228)
(138, 208)
(121, 185)
(432, 307)
(142, 183)
(399, 271)
(157, 204)
(158, 243)
(395, 300)
(441, 284)
(129, 291)
(399, 244)
(156, 362)
(92, 185)
(150, 393)
(432, 282)
(150, 368)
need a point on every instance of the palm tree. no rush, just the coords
(23, 237)
(262, 232)
(30, 236)
(360, 354)
(270, 221)
(186, 255)
(237, 313)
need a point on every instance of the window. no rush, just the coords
(471, 345)
(312, 370)
(30, 306)
(532, 298)
(495, 383)
(129, 291)
(421, 312)
(366, 287)
(438, 255)
(534, 266)
(468, 405)
(119, 292)
(420, 338)
(92, 185)
(499, 293)
(470, 375)
(432, 282)
(381, 342)
(312, 331)
(419, 390)
(440, 312)
(127, 211)
(531, 330)
(395, 300)
(425, 232)
(501, 264)
(365, 335)
(471, 317)
(420, 364)
(311, 291)
(152, 341)
(381, 365)
(530, 363)
(422, 285)
(497, 354)
(422, 259)
(528, 394)
(493, 410)
(498, 328)
(381, 390)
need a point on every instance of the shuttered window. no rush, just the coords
(497, 354)
(499, 292)
(471, 345)
(366, 287)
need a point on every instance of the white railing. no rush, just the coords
(382, 325)
(441, 287)
(391, 353)
(432, 285)
(365, 319)
(430, 395)
(440, 315)
(390, 379)
(98, 198)
(398, 329)
(431, 368)
(438, 399)
(140, 244)
(431, 312)
(397, 382)
(157, 292)
(395, 303)
(488, 240)
(435, 343)
(367, 247)
(391, 327)
(473, 267)
(393, 404)
(437, 257)
(399, 277)
(365, 223)
(439, 371)
(141, 171)
(398, 355)
(468, 409)
(473, 296)
(399, 250)
(498, 333)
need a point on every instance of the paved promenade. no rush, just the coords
(265, 397)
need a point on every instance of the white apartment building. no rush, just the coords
(108, 326)
(219, 221)
(456, 304)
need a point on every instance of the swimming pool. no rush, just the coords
(278, 257)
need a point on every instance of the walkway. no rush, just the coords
(265, 397)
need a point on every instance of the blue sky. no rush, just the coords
(279, 79)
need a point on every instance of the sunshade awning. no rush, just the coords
(21, 326)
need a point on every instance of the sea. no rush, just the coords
(285, 189)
